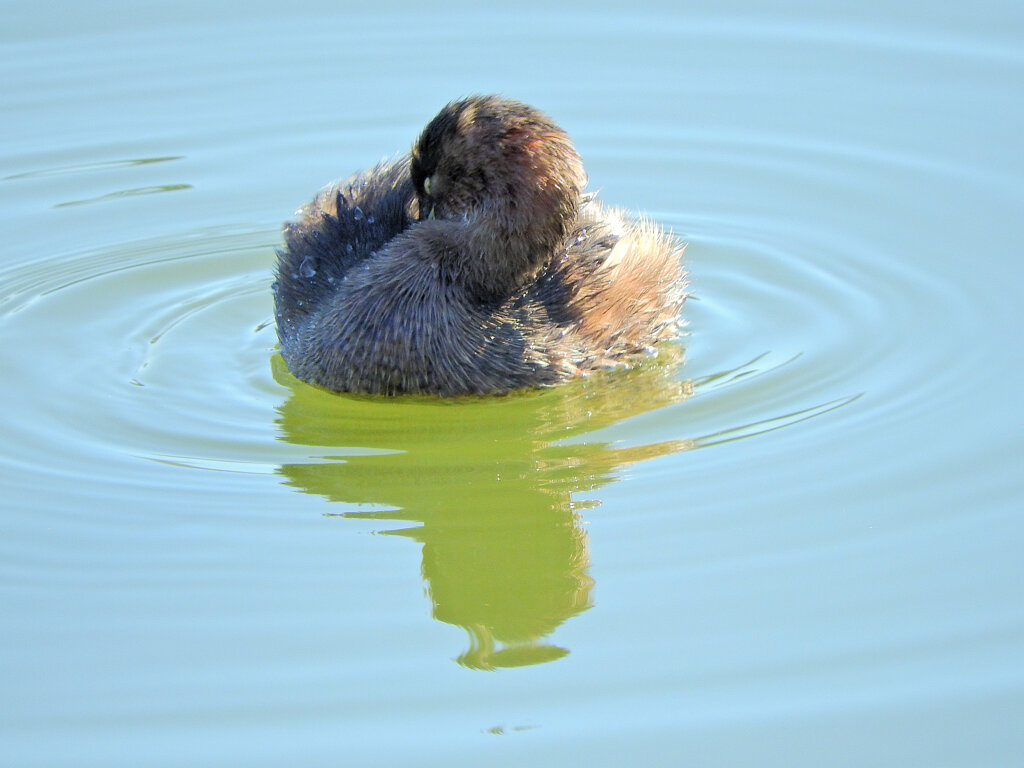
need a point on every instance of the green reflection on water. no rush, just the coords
(491, 484)
(133, 192)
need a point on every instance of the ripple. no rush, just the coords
(794, 311)
(160, 349)
(121, 193)
(146, 349)
(88, 167)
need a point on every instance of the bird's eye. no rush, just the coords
(427, 183)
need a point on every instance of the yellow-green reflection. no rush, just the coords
(491, 483)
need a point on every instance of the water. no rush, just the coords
(794, 540)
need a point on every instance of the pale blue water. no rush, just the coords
(800, 547)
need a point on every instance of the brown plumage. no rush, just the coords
(475, 264)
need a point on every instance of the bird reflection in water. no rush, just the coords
(493, 485)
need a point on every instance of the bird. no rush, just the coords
(475, 264)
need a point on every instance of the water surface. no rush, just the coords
(792, 539)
